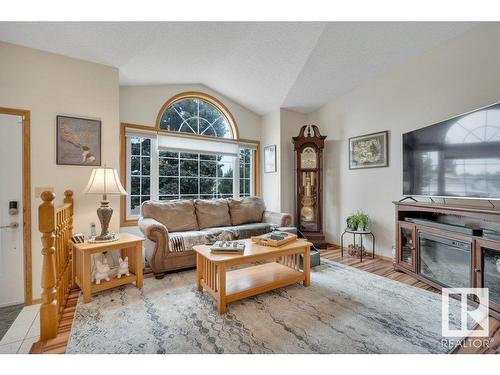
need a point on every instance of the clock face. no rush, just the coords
(308, 159)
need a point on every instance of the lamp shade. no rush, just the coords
(104, 181)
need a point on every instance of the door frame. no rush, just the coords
(28, 274)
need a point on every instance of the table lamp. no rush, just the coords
(105, 181)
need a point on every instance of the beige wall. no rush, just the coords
(271, 183)
(291, 122)
(47, 84)
(141, 104)
(453, 78)
(278, 127)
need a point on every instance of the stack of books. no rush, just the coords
(228, 247)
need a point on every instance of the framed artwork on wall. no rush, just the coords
(369, 151)
(78, 141)
(270, 159)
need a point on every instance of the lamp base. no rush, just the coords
(104, 214)
(112, 237)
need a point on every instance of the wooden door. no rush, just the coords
(406, 252)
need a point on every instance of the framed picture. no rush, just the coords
(369, 151)
(78, 141)
(270, 159)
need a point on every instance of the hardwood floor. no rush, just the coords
(378, 266)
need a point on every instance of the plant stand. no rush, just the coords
(361, 233)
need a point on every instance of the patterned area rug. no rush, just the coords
(345, 310)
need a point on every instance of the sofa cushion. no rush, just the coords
(212, 213)
(252, 229)
(184, 241)
(246, 210)
(177, 215)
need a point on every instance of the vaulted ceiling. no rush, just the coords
(261, 65)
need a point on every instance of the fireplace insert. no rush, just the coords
(446, 261)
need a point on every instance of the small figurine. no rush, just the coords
(123, 268)
(101, 271)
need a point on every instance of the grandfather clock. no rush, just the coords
(309, 146)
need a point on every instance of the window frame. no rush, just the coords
(153, 172)
(205, 97)
(151, 132)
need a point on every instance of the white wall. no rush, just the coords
(48, 84)
(278, 127)
(290, 122)
(455, 77)
(271, 183)
(141, 104)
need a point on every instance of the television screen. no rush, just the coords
(459, 157)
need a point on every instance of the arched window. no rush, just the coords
(198, 114)
(481, 126)
(195, 153)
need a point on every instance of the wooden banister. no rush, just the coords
(48, 309)
(56, 226)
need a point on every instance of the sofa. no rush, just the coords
(172, 228)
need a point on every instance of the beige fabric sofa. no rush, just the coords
(172, 228)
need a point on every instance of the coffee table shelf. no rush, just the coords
(246, 282)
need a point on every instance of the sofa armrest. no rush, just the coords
(277, 218)
(156, 244)
(151, 227)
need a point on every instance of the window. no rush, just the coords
(245, 172)
(160, 165)
(197, 114)
(138, 173)
(185, 175)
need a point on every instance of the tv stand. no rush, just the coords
(415, 221)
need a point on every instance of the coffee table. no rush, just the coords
(226, 286)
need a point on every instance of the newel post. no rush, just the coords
(48, 309)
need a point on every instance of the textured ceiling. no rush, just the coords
(263, 66)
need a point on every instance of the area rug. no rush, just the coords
(345, 310)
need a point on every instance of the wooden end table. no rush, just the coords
(129, 244)
(226, 286)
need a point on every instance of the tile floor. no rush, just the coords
(23, 333)
(7, 316)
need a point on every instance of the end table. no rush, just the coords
(361, 234)
(129, 244)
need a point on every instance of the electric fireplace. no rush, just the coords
(445, 261)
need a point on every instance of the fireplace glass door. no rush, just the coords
(406, 252)
(491, 273)
(446, 261)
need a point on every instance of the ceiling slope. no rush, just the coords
(261, 65)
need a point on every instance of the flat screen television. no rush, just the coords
(459, 157)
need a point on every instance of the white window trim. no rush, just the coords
(154, 169)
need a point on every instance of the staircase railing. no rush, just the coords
(56, 226)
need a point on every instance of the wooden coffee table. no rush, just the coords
(226, 286)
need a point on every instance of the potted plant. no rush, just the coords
(358, 221)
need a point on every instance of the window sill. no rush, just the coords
(129, 223)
